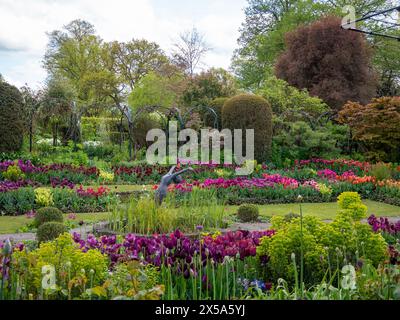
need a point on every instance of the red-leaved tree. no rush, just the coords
(332, 63)
(376, 126)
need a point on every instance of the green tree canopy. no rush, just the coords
(291, 104)
(208, 85)
(154, 90)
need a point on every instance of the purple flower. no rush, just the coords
(30, 214)
(384, 225)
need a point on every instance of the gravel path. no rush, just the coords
(16, 237)
(85, 230)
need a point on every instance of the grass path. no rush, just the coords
(325, 211)
(10, 224)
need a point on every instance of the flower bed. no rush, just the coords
(21, 200)
(232, 265)
(275, 188)
(174, 248)
(150, 174)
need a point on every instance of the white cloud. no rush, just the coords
(24, 23)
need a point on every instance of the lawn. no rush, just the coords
(323, 210)
(10, 224)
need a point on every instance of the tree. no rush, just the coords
(261, 16)
(208, 85)
(125, 66)
(11, 124)
(387, 64)
(73, 54)
(137, 58)
(290, 104)
(376, 125)
(263, 36)
(32, 101)
(56, 107)
(362, 7)
(331, 63)
(154, 90)
(189, 50)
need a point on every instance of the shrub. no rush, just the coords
(68, 258)
(345, 240)
(43, 197)
(298, 140)
(105, 176)
(142, 125)
(286, 241)
(248, 213)
(248, 111)
(346, 199)
(48, 214)
(289, 103)
(351, 205)
(19, 201)
(381, 171)
(13, 173)
(11, 123)
(376, 125)
(49, 231)
(289, 216)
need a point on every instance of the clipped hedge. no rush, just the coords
(248, 213)
(247, 111)
(48, 214)
(11, 115)
(50, 231)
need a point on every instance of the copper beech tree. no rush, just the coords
(376, 125)
(330, 62)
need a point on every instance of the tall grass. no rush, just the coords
(198, 208)
(142, 216)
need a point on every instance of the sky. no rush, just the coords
(24, 23)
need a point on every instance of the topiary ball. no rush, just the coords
(248, 111)
(48, 214)
(289, 216)
(49, 231)
(248, 213)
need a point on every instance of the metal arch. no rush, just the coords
(371, 16)
(210, 110)
(168, 113)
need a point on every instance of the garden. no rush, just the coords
(317, 218)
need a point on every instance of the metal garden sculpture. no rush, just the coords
(166, 180)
